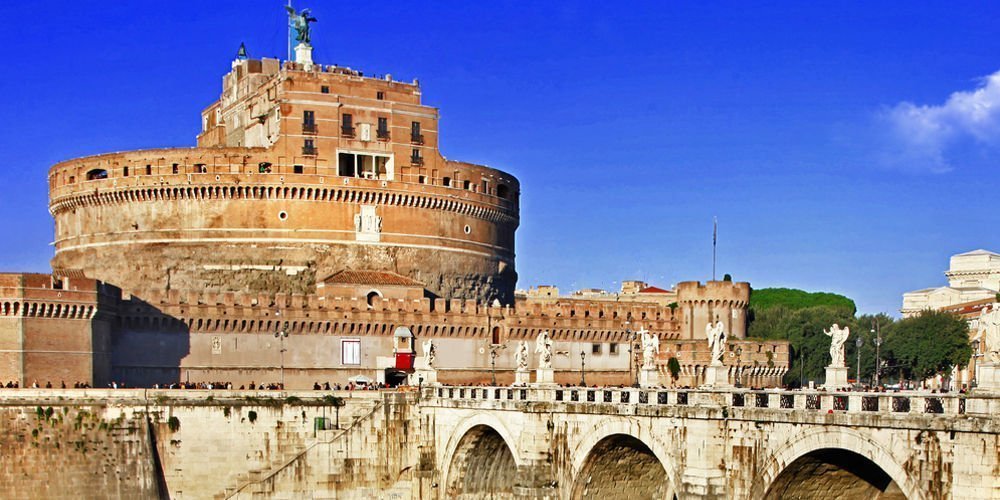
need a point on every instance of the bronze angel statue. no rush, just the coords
(300, 22)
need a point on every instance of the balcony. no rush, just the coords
(309, 128)
(309, 151)
(383, 135)
(346, 131)
(416, 160)
(417, 138)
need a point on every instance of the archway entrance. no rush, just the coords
(621, 466)
(482, 466)
(831, 473)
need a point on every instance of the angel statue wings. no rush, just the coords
(716, 335)
(650, 348)
(428, 346)
(989, 332)
(543, 347)
(837, 336)
(300, 22)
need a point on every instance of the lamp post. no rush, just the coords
(583, 368)
(629, 335)
(859, 342)
(975, 363)
(281, 335)
(877, 331)
(493, 364)
(739, 364)
(801, 379)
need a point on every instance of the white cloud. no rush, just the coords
(929, 137)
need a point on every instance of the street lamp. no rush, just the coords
(281, 335)
(975, 364)
(877, 331)
(629, 335)
(583, 369)
(859, 342)
(493, 364)
(739, 363)
(801, 379)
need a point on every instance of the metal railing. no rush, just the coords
(309, 150)
(309, 128)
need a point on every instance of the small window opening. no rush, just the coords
(595, 348)
(149, 170)
(324, 89)
(174, 168)
(96, 174)
(613, 348)
(502, 191)
(422, 179)
(380, 95)
(466, 184)
(125, 172)
(297, 169)
(264, 167)
(446, 181)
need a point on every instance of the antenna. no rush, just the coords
(715, 240)
(288, 33)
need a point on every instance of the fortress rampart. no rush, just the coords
(713, 301)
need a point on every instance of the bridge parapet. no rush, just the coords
(899, 404)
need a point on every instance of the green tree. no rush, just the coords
(790, 298)
(928, 344)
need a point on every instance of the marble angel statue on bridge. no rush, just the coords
(543, 347)
(837, 336)
(989, 332)
(521, 356)
(650, 348)
(716, 341)
(428, 347)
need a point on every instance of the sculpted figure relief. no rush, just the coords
(543, 347)
(837, 338)
(716, 341)
(989, 332)
(428, 346)
(521, 356)
(650, 348)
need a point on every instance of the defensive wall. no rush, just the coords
(502, 442)
(156, 336)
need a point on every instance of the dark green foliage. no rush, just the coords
(331, 400)
(252, 416)
(674, 366)
(174, 424)
(766, 298)
(924, 345)
(293, 400)
(727, 277)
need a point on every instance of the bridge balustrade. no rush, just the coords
(850, 402)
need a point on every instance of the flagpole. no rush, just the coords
(288, 34)
(715, 238)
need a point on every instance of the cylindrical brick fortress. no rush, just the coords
(209, 219)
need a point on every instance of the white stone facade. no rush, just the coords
(972, 276)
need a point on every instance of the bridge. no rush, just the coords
(445, 442)
(502, 442)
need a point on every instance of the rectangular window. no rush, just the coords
(347, 125)
(174, 168)
(149, 170)
(383, 128)
(613, 348)
(125, 172)
(324, 89)
(595, 348)
(380, 95)
(297, 169)
(350, 351)
(415, 157)
(308, 117)
(415, 136)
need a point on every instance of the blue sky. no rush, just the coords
(845, 147)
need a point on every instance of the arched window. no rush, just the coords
(97, 173)
(495, 337)
(370, 298)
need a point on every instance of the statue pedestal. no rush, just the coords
(836, 378)
(649, 377)
(522, 378)
(988, 378)
(545, 377)
(304, 55)
(717, 375)
(424, 376)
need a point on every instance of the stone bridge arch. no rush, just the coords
(620, 442)
(480, 459)
(815, 447)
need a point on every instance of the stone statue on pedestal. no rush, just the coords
(716, 341)
(989, 332)
(521, 356)
(837, 338)
(428, 346)
(543, 347)
(650, 348)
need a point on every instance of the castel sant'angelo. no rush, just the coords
(317, 233)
